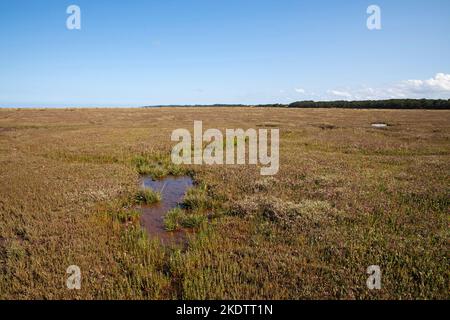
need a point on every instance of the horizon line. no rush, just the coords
(216, 104)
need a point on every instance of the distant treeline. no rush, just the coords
(367, 104)
(376, 104)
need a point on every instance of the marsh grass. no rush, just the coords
(157, 166)
(148, 196)
(126, 215)
(178, 218)
(172, 219)
(194, 220)
(147, 279)
(344, 199)
(197, 199)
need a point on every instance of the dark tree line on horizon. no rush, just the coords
(431, 104)
(376, 104)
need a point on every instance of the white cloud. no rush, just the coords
(300, 90)
(440, 83)
(437, 87)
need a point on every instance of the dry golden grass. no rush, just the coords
(347, 196)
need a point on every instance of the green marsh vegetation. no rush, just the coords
(347, 196)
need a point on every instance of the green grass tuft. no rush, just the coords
(197, 199)
(156, 166)
(178, 218)
(172, 219)
(148, 196)
(193, 220)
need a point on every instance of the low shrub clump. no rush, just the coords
(305, 215)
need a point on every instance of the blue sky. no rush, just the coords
(134, 53)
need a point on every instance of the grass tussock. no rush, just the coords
(148, 196)
(198, 199)
(178, 218)
(156, 166)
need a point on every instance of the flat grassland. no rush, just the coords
(347, 196)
